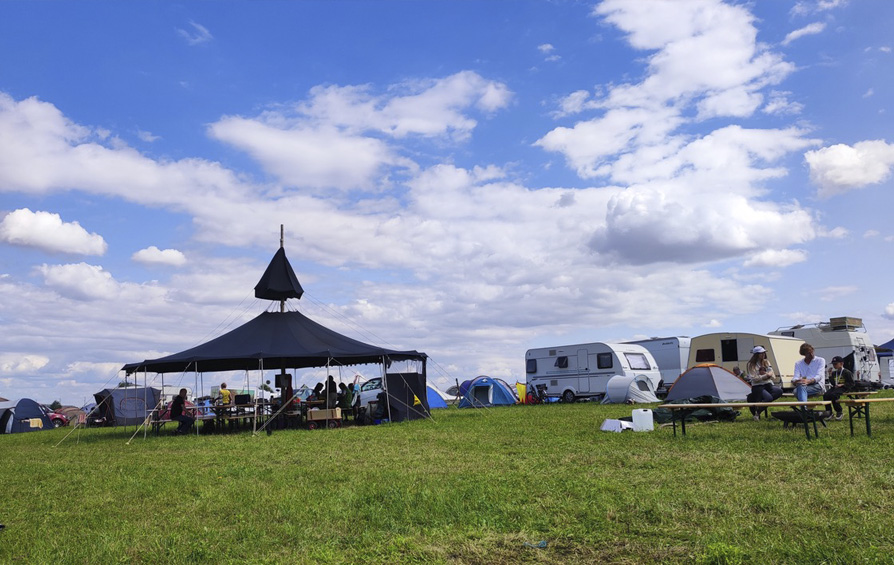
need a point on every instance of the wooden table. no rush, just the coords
(802, 407)
(857, 407)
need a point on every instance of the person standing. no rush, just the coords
(842, 381)
(177, 413)
(760, 374)
(810, 374)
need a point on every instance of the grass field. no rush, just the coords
(470, 486)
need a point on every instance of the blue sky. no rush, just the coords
(468, 179)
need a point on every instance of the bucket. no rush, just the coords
(642, 421)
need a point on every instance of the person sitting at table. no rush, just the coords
(226, 397)
(345, 398)
(760, 374)
(810, 374)
(842, 381)
(316, 393)
(177, 414)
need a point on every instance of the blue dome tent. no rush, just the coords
(484, 392)
(24, 415)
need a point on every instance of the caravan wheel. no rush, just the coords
(568, 396)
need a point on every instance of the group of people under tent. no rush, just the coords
(335, 396)
(809, 380)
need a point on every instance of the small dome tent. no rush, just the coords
(435, 398)
(24, 415)
(708, 380)
(622, 389)
(487, 391)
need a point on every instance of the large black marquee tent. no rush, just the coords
(277, 340)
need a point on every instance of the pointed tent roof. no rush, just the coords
(279, 281)
(708, 380)
(274, 340)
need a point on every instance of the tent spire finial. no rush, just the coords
(281, 236)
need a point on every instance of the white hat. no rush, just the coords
(757, 349)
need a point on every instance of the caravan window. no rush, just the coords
(562, 362)
(531, 366)
(604, 360)
(637, 361)
(704, 356)
(729, 350)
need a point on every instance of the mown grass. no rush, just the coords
(471, 486)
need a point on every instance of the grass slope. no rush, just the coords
(471, 486)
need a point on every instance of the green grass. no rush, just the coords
(471, 486)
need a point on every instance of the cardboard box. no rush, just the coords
(331, 414)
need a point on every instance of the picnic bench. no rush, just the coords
(802, 407)
(859, 407)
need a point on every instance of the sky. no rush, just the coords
(467, 179)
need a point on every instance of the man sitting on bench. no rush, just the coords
(810, 374)
(842, 382)
(177, 414)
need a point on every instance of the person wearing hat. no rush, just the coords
(810, 374)
(760, 374)
(841, 381)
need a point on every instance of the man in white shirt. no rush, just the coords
(810, 374)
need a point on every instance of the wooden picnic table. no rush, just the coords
(857, 407)
(802, 407)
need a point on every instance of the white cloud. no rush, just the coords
(713, 323)
(546, 48)
(868, 93)
(831, 293)
(776, 258)
(889, 311)
(146, 136)
(837, 232)
(152, 255)
(810, 29)
(47, 231)
(80, 281)
(869, 234)
(780, 105)
(197, 35)
(840, 168)
(807, 7)
(21, 363)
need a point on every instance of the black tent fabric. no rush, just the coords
(279, 281)
(407, 396)
(274, 340)
(125, 406)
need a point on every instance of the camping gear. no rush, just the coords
(23, 415)
(629, 389)
(708, 380)
(486, 392)
(610, 425)
(642, 421)
(124, 406)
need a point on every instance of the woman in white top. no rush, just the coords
(760, 374)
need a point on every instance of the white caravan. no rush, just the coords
(845, 337)
(581, 371)
(671, 354)
(731, 350)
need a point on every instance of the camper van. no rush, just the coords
(845, 337)
(570, 372)
(671, 354)
(731, 350)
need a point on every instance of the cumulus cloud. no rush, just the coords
(810, 29)
(21, 363)
(47, 231)
(326, 142)
(197, 35)
(152, 255)
(775, 258)
(841, 168)
(780, 105)
(831, 293)
(80, 281)
(889, 311)
(807, 7)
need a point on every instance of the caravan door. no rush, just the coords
(583, 386)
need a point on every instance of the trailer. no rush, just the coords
(845, 337)
(671, 354)
(733, 350)
(571, 372)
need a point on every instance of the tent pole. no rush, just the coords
(385, 388)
